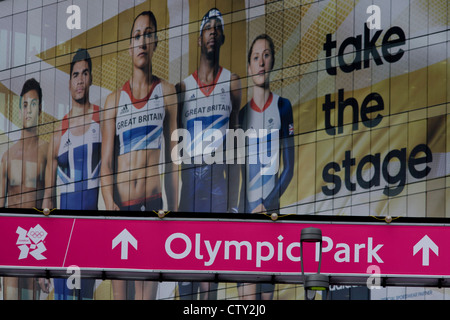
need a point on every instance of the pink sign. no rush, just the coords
(220, 246)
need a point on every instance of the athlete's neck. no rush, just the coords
(260, 95)
(208, 70)
(80, 107)
(140, 83)
(30, 135)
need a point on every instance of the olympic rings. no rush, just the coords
(36, 234)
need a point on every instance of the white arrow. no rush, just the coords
(426, 244)
(124, 238)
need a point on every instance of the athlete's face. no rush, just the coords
(80, 81)
(212, 36)
(143, 42)
(30, 109)
(261, 61)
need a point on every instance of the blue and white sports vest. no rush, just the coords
(206, 107)
(79, 166)
(273, 125)
(139, 122)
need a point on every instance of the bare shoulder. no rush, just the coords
(170, 95)
(235, 82)
(16, 149)
(57, 132)
(109, 109)
(112, 100)
(168, 88)
(43, 150)
(4, 157)
(234, 76)
(180, 87)
(43, 144)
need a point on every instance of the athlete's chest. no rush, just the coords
(206, 101)
(268, 119)
(141, 113)
(72, 139)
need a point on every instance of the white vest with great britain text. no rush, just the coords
(206, 107)
(139, 122)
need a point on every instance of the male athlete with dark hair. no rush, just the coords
(22, 170)
(74, 158)
(210, 98)
(137, 119)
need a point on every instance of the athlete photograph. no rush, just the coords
(22, 178)
(137, 124)
(261, 192)
(74, 159)
(209, 98)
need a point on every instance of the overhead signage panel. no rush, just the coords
(172, 246)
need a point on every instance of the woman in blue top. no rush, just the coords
(271, 114)
(271, 117)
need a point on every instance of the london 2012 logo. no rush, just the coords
(31, 242)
